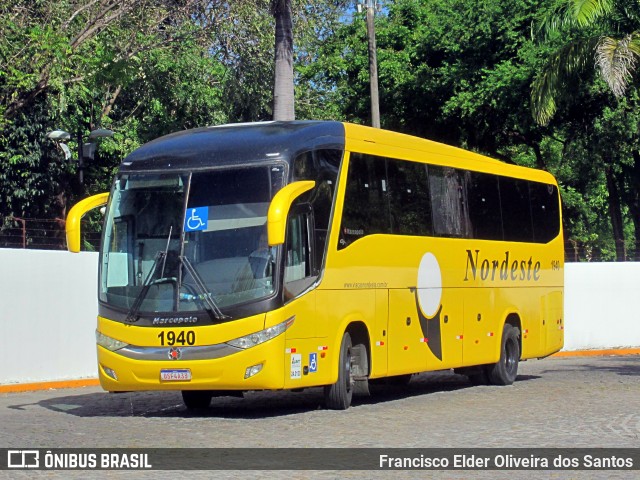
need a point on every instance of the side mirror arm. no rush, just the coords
(72, 224)
(279, 209)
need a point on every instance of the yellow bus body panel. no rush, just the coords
(372, 285)
(225, 373)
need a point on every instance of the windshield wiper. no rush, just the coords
(205, 295)
(132, 315)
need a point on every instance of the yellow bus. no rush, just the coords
(287, 255)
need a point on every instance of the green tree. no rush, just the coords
(138, 67)
(52, 44)
(243, 40)
(461, 73)
(448, 70)
(142, 68)
(601, 32)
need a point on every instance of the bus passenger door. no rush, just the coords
(300, 273)
(306, 363)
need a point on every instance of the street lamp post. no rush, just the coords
(86, 150)
(371, 6)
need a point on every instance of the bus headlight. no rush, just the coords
(262, 336)
(109, 343)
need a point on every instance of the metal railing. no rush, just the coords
(41, 233)
(48, 234)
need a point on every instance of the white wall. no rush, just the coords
(602, 305)
(49, 307)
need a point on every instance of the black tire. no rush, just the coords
(506, 370)
(197, 399)
(338, 396)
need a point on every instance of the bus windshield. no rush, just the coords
(188, 241)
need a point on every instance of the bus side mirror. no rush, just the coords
(279, 210)
(72, 225)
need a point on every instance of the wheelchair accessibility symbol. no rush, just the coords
(196, 219)
(313, 362)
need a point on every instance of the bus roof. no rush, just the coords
(253, 143)
(364, 139)
(233, 144)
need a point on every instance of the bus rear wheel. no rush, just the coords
(505, 371)
(338, 396)
(197, 399)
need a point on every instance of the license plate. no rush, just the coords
(182, 375)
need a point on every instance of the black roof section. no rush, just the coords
(232, 144)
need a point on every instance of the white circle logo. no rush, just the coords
(429, 285)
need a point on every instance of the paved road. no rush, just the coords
(556, 402)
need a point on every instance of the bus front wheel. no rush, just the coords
(505, 371)
(338, 396)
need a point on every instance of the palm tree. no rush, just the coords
(615, 57)
(283, 108)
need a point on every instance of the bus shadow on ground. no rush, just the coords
(260, 404)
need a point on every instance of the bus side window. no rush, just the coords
(484, 206)
(298, 266)
(516, 210)
(409, 198)
(545, 211)
(321, 166)
(366, 203)
(447, 188)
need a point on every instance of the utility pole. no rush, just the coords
(371, 6)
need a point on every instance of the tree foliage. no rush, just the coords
(451, 70)
(461, 72)
(77, 65)
(143, 68)
(603, 33)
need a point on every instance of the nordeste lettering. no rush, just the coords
(501, 269)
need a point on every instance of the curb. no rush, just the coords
(613, 352)
(94, 382)
(31, 387)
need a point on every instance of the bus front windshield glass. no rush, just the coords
(188, 242)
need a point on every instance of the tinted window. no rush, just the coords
(516, 211)
(448, 201)
(321, 166)
(297, 267)
(410, 204)
(484, 206)
(366, 205)
(410, 198)
(545, 211)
